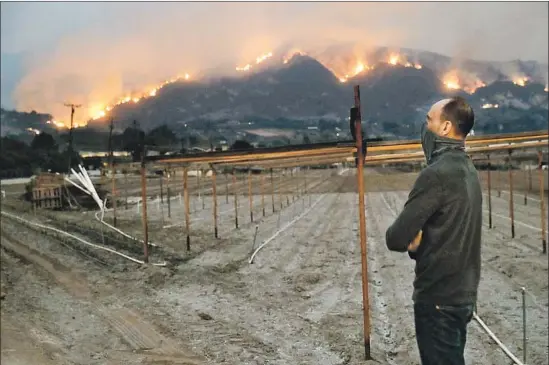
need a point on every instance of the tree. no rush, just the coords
(162, 136)
(44, 141)
(241, 144)
(306, 139)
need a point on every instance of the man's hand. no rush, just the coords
(412, 246)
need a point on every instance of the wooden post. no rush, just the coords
(529, 179)
(113, 193)
(187, 208)
(198, 186)
(250, 198)
(202, 195)
(226, 188)
(168, 192)
(235, 200)
(362, 223)
(262, 182)
(272, 190)
(489, 192)
(542, 204)
(214, 197)
(144, 213)
(498, 175)
(308, 192)
(126, 189)
(525, 190)
(287, 195)
(280, 191)
(511, 207)
(162, 188)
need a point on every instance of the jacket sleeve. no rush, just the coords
(423, 201)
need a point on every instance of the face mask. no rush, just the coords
(427, 142)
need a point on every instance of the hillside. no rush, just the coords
(306, 95)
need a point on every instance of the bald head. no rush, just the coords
(452, 118)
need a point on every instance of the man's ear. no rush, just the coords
(446, 129)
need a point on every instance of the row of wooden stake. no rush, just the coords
(186, 199)
(511, 196)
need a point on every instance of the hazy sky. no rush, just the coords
(95, 50)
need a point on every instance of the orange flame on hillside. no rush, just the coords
(454, 81)
(258, 60)
(100, 110)
(521, 81)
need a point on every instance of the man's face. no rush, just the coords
(434, 123)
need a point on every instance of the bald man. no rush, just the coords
(440, 228)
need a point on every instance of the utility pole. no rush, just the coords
(73, 107)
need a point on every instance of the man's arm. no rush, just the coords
(423, 201)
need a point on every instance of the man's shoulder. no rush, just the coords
(428, 176)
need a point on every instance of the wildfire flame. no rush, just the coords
(396, 59)
(35, 131)
(258, 60)
(520, 81)
(546, 88)
(453, 81)
(490, 106)
(99, 111)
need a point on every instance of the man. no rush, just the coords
(440, 227)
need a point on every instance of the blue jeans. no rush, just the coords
(441, 332)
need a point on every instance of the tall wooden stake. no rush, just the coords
(262, 182)
(542, 204)
(168, 192)
(113, 178)
(525, 189)
(226, 188)
(362, 223)
(489, 192)
(235, 200)
(280, 191)
(511, 207)
(144, 213)
(187, 207)
(126, 189)
(250, 198)
(214, 197)
(272, 190)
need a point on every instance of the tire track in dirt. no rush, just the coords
(139, 334)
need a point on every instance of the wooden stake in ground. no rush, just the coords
(272, 190)
(187, 208)
(126, 189)
(235, 200)
(287, 195)
(511, 207)
(144, 212)
(162, 188)
(362, 223)
(168, 192)
(250, 198)
(280, 191)
(525, 190)
(262, 182)
(226, 188)
(542, 204)
(489, 192)
(214, 197)
(498, 183)
(113, 193)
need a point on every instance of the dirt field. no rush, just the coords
(299, 302)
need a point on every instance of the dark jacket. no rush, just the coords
(446, 204)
